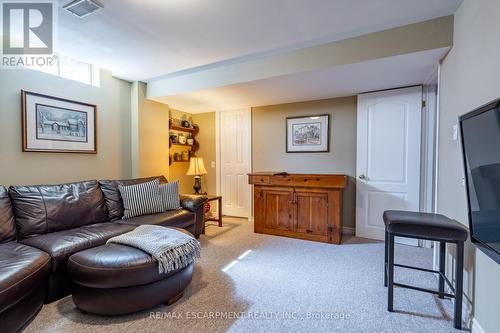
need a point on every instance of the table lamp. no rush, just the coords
(196, 169)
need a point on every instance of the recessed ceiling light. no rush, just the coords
(82, 8)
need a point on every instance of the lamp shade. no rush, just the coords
(196, 167)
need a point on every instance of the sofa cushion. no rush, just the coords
(181, 218)
(7, 222)
(141, 199)
(62, 244)
(40, 209)
(23, 269)
(112, 195)
(170, 196)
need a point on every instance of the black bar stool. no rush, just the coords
(432, 227)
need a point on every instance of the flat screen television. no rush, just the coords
(480, 135)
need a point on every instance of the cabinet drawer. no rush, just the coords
(309, 181)
(259, 180)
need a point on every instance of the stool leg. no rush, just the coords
(459, 273)
(390, 290)
(442, 264)
(385, 257)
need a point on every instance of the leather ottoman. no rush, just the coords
(116, 279)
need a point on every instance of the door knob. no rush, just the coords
(362, 177)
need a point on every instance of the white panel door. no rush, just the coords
(235, 160)
(388, 157)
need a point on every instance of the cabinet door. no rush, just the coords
(278, 208)
(312, 212)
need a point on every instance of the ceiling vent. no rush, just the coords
(82, 8)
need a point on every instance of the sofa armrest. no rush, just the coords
(192, 202)
(195, 204)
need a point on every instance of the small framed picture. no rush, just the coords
(309, 134)
(52, 124)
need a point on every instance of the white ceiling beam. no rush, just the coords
(427, 35)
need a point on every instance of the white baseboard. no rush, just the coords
(348, 231)
(476, 328)
(467, 312)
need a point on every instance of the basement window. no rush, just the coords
(73, 69)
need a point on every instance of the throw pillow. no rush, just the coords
(141, 199)
(169, 193)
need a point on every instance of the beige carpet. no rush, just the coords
(278, 285)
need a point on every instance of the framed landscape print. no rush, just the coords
(309, 134)
(52, 124)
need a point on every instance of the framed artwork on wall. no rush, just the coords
(308, 134)
(57, 125)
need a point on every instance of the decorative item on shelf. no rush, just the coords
(173, 137)
(186, 123)
(190, 139)
(185, 155)
(181, 139)
(196, 169)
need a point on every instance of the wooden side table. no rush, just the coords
(219, 208)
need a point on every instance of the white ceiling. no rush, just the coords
(139, 40)
(348, 80)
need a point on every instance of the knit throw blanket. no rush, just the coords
(172, 249)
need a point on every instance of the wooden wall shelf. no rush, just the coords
(192, 130)
(171, 160)
(174, 127)
(182, 145)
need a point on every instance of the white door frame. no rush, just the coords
(436, 77)
(429, 157)
(218, 177)
(217, 152)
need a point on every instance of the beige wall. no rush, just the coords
(113, 159)
(269, 143)
(469, 78)
(149, 134)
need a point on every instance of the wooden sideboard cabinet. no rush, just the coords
(304, 206)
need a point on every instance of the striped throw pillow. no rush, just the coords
(141, 199)
(170, 196)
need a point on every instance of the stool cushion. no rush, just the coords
(424, 226)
